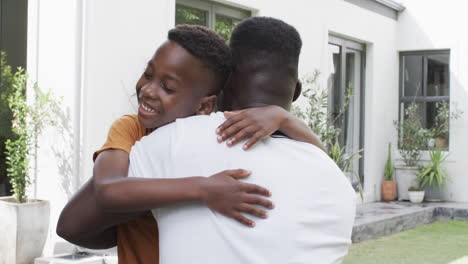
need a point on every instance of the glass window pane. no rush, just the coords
(344, 102)
(437, 75)
(352, 97)
(413, 118)
(188, 15)
(425, 115)
(224, 26)
(440, 125)
(334, 52)
(412, 75)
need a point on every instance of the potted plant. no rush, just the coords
(415, 194)
(24, 222)
(321, 121)
(412, 138)
(433, 175)
(441, 129)
(389, 186)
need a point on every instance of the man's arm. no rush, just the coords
(83, 223)
(109, 198)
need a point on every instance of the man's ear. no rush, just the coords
(207, 105)
(298, 90)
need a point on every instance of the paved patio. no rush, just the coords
(372, 220)
(383, 218)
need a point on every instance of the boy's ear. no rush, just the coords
(207, 105)
(298, 90)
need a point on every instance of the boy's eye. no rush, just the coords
(147, 75)
(165, 88)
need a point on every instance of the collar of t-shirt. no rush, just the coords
(278, 134)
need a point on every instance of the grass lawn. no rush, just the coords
(440, 242)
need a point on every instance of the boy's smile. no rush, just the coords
(172, 86)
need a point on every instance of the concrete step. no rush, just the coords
(379, 219)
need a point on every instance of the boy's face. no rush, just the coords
(173, 86)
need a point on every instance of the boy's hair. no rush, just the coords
(206, 45)
(268, 40)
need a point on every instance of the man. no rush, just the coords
(314, 202)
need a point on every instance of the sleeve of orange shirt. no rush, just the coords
(137, 240)
(123, 134)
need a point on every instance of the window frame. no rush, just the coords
(214, 8)
(423, 98)
(402, 99)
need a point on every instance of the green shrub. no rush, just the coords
(27, 124)
(389, 169)
(433, 174)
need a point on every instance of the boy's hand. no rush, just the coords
(224, 193)
(253, 123)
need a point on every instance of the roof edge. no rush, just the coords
(392, 4)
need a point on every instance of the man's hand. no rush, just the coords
(224, 193)
(253, 123)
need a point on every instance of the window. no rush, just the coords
(13, 40)
(424, 81)
(218, 17)
(346, 99)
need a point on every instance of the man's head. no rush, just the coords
(265, 53)
(183, 77)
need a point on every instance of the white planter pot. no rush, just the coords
(23, 230)
(405, 177)
(416, 196)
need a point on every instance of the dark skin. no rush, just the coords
(166, 92)
(174, 85)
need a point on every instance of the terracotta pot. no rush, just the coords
(441, 142)
(389, 190)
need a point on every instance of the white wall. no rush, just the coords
(91, 53)
(51, 60)
(120, 38)
(432, 24)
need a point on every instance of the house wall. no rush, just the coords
(431, 24)
(92, 53)
(53, 61)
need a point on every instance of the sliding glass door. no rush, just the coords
(346, 99)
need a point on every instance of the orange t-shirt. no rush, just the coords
(137, 240)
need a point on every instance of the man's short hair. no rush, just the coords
(206, 45)
(268, 40)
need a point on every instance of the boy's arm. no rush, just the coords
(260, 122)
(90, 218)
(87, 218)
(221, 192)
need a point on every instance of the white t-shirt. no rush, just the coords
(314, 202)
